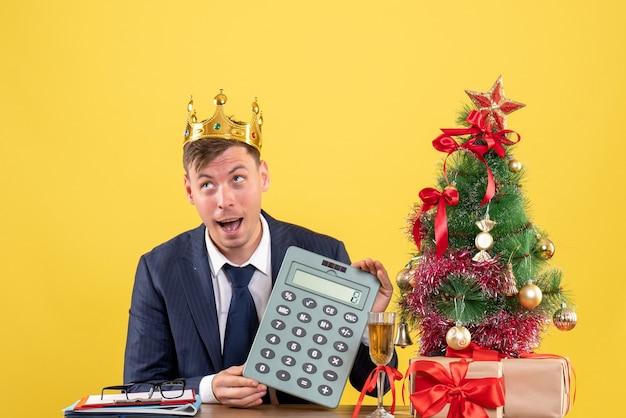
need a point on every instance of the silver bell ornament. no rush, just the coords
(403, 337)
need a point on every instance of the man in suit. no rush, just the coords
(181, 295)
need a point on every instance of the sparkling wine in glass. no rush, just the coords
(381, 327)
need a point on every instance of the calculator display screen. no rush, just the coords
(326, 287)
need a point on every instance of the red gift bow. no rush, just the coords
(434, 198)
(480, 129)
(370, 384)
(435, 387)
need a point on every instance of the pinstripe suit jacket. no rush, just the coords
(173, 329)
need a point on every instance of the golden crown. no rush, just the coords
(222, 126)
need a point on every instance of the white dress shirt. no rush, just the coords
(260, 288)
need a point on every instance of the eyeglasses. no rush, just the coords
(169, 389)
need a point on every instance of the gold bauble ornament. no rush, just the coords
(530, 295)
(544, 248)
(402, 278)
(515, 166)
(564, 319)
(458, 337)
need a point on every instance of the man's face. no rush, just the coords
(227, 195)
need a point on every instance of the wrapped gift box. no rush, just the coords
(475, 370)
(536, 387)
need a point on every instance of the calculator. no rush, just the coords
(311, 330)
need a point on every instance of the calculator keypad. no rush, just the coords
(306, 356)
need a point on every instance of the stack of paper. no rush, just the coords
(137, 404)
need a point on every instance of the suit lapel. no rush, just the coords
(195, 276)
(281, 241)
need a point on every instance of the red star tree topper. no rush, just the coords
(493, 105)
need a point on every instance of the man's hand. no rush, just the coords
(386, 289)
(232, 389)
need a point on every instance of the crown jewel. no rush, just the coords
(221, 126)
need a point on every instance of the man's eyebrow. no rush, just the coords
(234, 169)
(237, 167)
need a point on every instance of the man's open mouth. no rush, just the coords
(231, 224)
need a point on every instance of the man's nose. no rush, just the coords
(225, 197)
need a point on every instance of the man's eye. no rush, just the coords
(206, 186)
(238, 179)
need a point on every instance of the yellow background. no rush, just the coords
(92, 110)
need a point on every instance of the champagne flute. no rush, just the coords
(381, 329)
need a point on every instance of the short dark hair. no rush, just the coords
(199, 153)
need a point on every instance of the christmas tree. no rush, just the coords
(481, 271)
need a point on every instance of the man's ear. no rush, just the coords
(188, 188)
(265, 176)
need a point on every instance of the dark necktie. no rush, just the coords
(242, 322)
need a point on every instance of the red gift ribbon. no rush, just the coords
(480, 129)
(435, 387)
(475, 352)
(370, 384)
(434, 198)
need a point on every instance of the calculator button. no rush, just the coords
(283, 375)
(309, 368)
(288, 361)
(267, 353)
(330, 310)
(309, 303)
(325, 390)
(293, 346)
(262, 368)
(278, 324)
(298, 331)
(351, 318)
(283, 310)
(304, 317)
(335, 361)
(330, 375)
(288, 295)
(272, 339)
(304, 383)
(340, 346)
(314, 353)
(324, 324)
(346, 332)
(320, 339)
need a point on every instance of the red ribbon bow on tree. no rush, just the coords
(434, 198)
(435, 387)
(480, 129)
